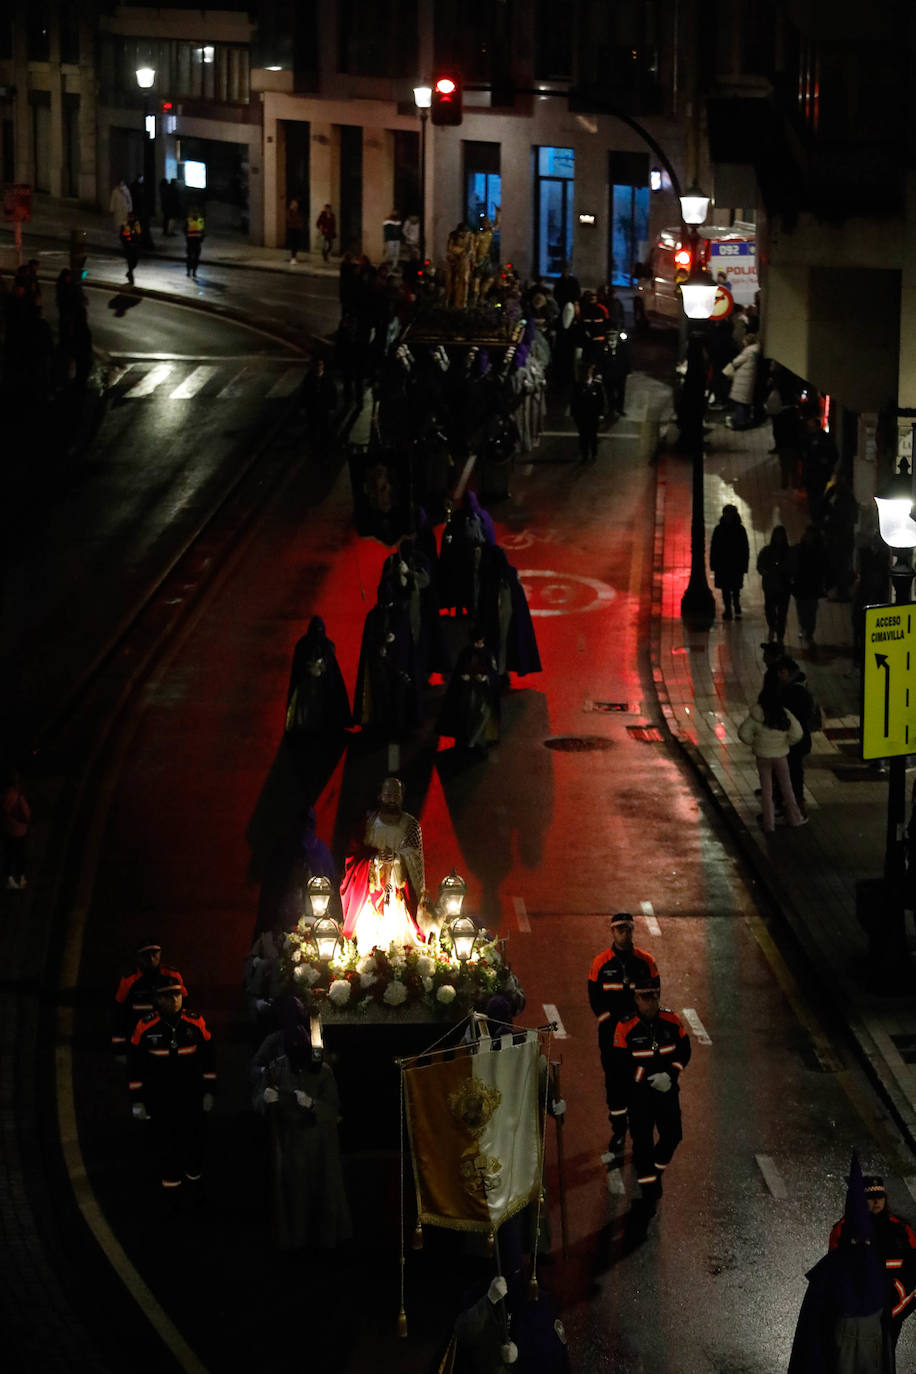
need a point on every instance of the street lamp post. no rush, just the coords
(898, 531)
(423, 96)
(698, 294)
(146, 78)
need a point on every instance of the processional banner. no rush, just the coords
(474, 1130)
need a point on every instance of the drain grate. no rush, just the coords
(649, 734)
(610, 706)
(578, 744)
(906, 1044)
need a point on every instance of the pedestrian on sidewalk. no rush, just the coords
(411, 237)
(770, 730)
(15, 821)
(839, 517)
(194, 235)
(819, 458)
(392, 235)
(589, 406)
(775, 564)
(131, 236)
(796, 697)
(326, 224)
(651, 1050)
(611, 979)
(809, 582)
(120, 204)
(743, 371)
(294, 227)
(729, 556)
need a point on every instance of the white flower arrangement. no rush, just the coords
(395, 994)
(396, 956)
(426, 966)
(427, 984)
(296, 956)
(446, 994)
(367, 979)
(339, 992)
(311, 975)
(366, 964)
(301, 972)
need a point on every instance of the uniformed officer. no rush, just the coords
(131, 235)
(194, 239)
(651, 1050)
(897, 1244)
(172, 1079)
(135, 995)
(611, 979)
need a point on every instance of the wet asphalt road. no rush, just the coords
(552, 838)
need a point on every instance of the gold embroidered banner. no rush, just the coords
(475, 1136)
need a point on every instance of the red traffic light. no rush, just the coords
(445, 106)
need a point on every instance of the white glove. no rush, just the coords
(139, 1112)
(559, 1107)
(271, 1096)
(498, 1289)
(508, 1353)
(207, 1103)
(303, 1098)
(661, 1082)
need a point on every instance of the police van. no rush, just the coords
(729, 251)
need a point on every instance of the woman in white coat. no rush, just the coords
(771, 730)
(743, 372)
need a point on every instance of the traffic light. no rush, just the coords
(446, 101)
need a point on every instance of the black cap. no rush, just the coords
(150, 943)
(648, 984)
(622, 918)
(874, 1185)
(168, 985)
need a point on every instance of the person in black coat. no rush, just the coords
(505, 616)
(317, 702)
(791, 684)
(387, 697)
(471, 707)
(729, 555)
(589, 406)
(809, 581)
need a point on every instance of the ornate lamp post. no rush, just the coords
(319, 895)
(422, 98)
(698, 293)
(898, 531)
(146, 79)
(452, 892)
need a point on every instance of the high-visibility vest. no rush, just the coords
(195, 227)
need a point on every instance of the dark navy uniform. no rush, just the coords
(171, 1073)
(611, 980)
(643, 1050)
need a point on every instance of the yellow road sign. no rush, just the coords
(889, 681)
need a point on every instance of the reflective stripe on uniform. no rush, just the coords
(640, 1074)
(603, 1017)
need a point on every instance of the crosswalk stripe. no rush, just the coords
(772, 1177)
(696, 1025)
(236, 385)
(648, 911)
(147, 384)
(285, 384)
(193, 383)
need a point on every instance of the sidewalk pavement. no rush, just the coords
(53, 218)
(706, 683)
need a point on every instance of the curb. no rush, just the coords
(762, 871)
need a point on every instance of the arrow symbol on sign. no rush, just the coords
(881, 662)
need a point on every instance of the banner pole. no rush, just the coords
(561, 1176)
(402, 1314)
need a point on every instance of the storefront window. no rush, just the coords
(554, 209)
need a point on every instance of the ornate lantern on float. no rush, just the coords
(463, 932)
(452, 892)
(326, 933)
